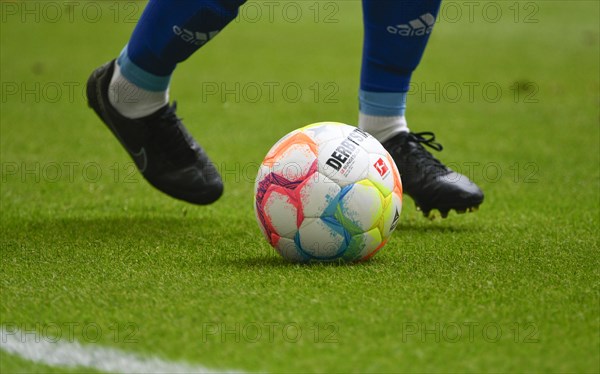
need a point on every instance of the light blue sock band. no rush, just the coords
(384, 104)
(139, 77)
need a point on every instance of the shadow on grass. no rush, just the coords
(147, 227)
(200, 241)
(275, 261)
(426, 226)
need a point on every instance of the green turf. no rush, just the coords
(513, 287)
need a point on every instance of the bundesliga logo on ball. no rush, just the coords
(328, 192)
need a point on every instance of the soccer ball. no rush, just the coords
(327, 192)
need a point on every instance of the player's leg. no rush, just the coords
(396, 33)
(131, 95)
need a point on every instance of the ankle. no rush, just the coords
(132, 101)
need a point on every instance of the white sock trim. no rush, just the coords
(381, 127)
(132, 101)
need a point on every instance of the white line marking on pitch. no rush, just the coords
(35, 348)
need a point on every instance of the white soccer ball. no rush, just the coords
(327, 192)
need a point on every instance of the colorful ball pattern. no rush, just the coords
(328, 192)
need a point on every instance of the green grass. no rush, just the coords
(109, 250)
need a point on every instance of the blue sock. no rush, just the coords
(168, 32)
(396, 33)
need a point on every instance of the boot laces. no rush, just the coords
(422, 157)
(170, 137)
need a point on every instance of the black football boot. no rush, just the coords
(431, 184)
(159, 144)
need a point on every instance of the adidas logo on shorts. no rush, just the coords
(195, 38)
(417, 27)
